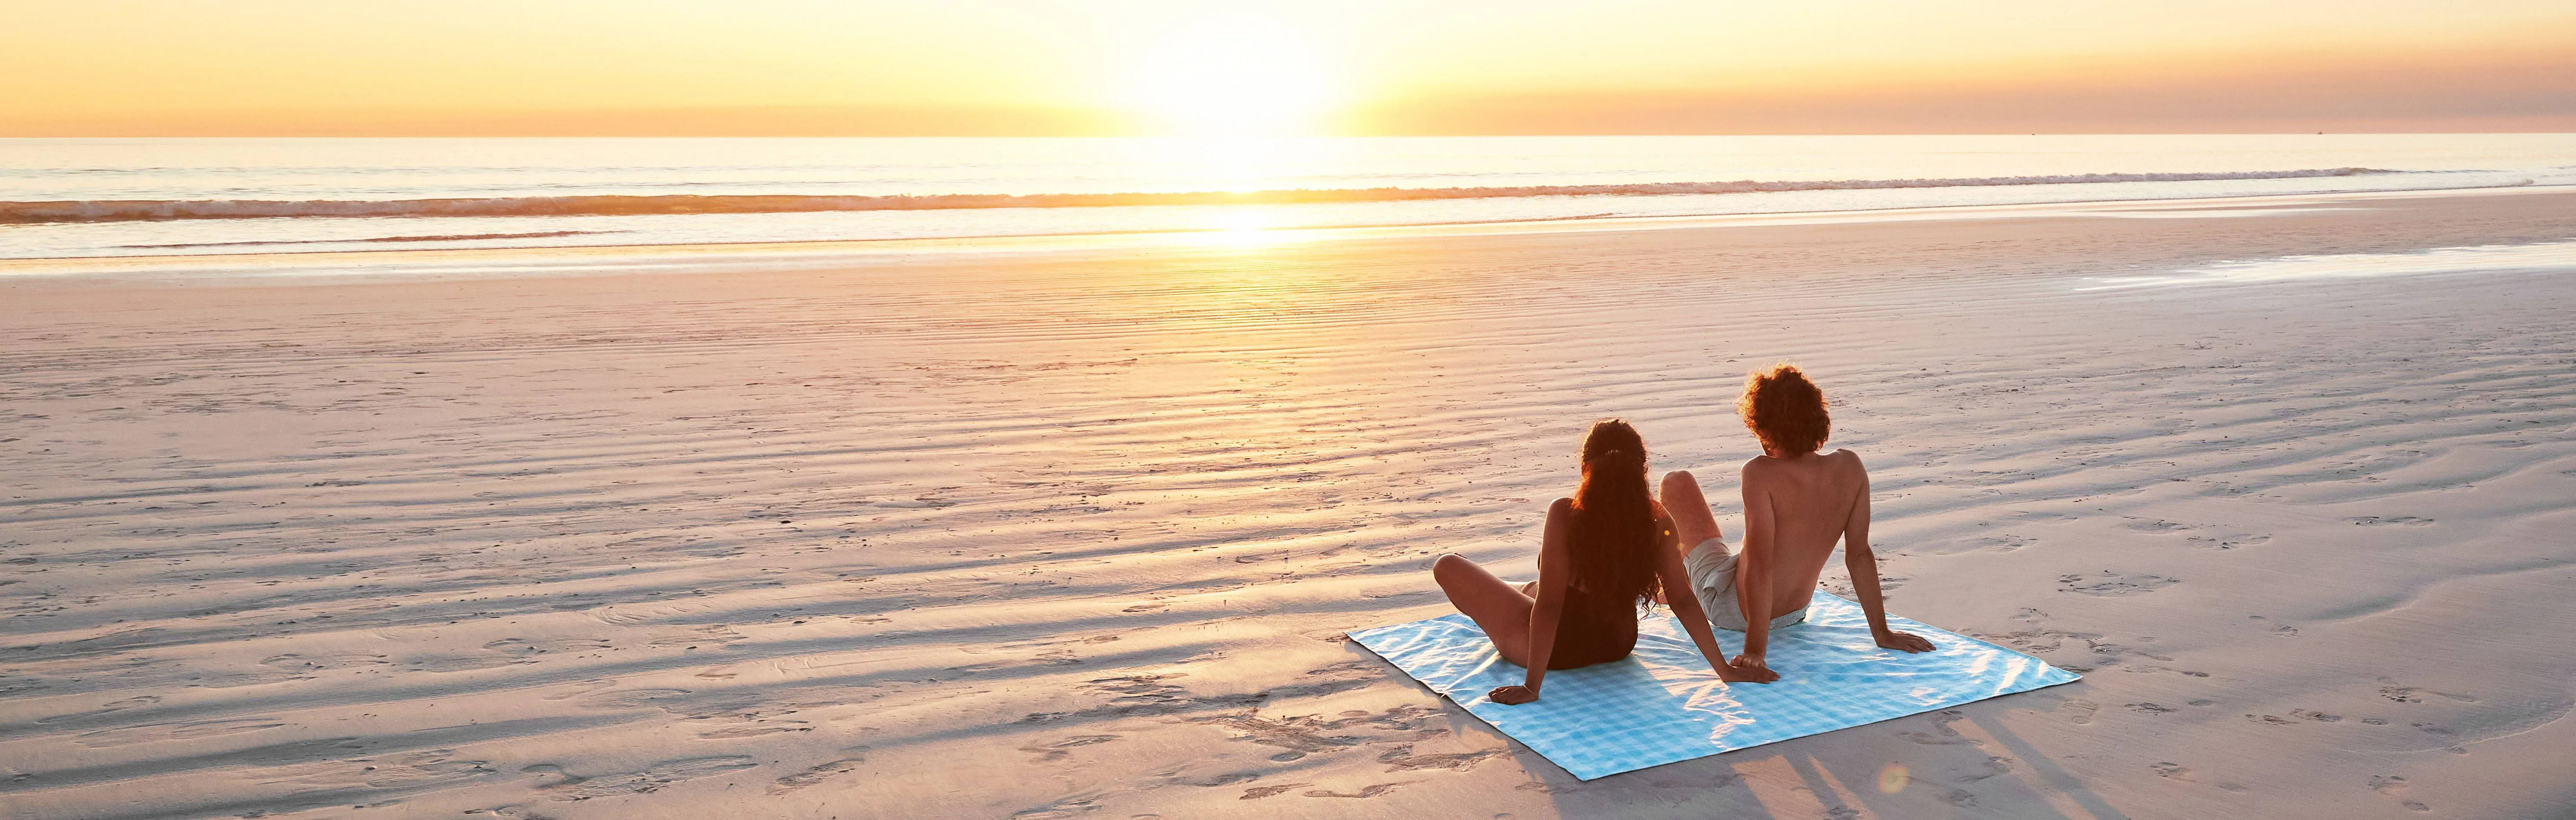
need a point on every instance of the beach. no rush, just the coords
(1079, 532)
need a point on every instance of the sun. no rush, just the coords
(1237, 77)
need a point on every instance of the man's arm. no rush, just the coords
(1863, 565)
(1753, 567)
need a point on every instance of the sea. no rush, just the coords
(76, 198)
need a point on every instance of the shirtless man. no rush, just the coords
(1797, 503)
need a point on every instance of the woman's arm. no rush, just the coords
(1555, 570)
(1863, 566)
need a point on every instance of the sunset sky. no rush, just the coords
(976, 67)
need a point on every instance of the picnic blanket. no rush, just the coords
(1662, 704)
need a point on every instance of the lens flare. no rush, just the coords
(1892, 779)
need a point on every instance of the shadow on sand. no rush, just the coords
(1960, 762)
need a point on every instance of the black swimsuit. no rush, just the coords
(1593, 629)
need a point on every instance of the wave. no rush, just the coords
(134, 210)
(452, 237)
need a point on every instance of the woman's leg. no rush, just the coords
(1692, 520)
(1496, 606)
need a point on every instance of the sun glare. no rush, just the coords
(1233, 78)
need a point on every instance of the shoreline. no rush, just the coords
(568, 259)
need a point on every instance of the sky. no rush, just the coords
(1100, 67)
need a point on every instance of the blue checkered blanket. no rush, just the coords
(1662, 704)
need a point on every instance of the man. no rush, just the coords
(1797, 504)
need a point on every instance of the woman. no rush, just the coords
(1605, 553)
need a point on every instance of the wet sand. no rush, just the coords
(1077, 534)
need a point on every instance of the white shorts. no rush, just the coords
(1712, 574)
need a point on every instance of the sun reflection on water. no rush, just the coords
(1244, 226)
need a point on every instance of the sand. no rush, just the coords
(1078, 534)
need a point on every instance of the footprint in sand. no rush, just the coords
(2007, 542)
(2227, 542)
(2391, 785)
(2414, 694)
(1402, 759)
(1941, 734)
(817, 773)
(523, 647)
(2157, 525)
(635, 699)
(2109, 583)
(714, 636)
(2079, 712)
(1994, 766)
(2402, 520)
(568, 786)
(1997, 543)
(409, 771)
(304, 664)
(1302, 735)
(1371, 790)
(1056, 751)
(2295, 716)
(1058, 810)
(2172, 770)
(1144, 695)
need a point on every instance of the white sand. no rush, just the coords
(1077, 535)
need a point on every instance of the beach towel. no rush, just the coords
(1662, 704)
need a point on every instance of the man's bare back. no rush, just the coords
(1807, 504)
(1798, 502)
(1795, 509)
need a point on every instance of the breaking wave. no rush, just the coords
(135, 210)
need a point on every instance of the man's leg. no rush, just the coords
(1692, 520)
(1496, 606)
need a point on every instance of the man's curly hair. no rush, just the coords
(1785, 410)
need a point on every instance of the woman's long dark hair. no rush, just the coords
(1614, 516)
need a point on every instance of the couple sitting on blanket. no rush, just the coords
(1612, 547)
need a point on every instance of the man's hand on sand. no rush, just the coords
(1904, 642)
(1512, 695)
(1746, 669)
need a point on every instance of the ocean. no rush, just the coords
(69, 198)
